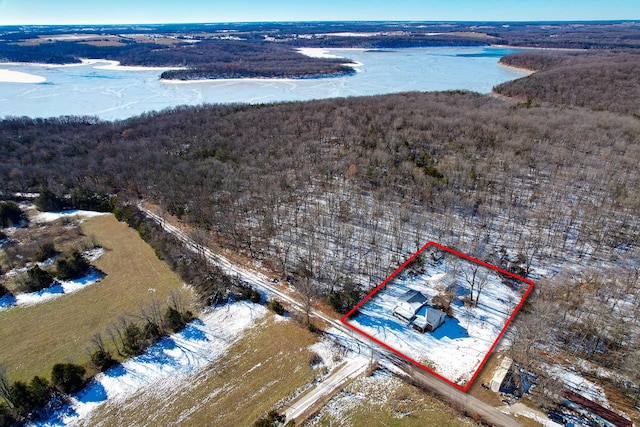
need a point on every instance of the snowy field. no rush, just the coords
(52, 216)
(456, 349)
(168, 362)
(58, 287)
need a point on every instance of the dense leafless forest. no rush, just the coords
(341, 191)
(579, 78)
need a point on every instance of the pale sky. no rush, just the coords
(24, 12)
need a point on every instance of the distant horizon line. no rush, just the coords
(561, 21)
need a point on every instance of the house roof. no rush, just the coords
(428, 315)
(403, 311)
(412, 297)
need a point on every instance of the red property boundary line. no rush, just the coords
(467, 257)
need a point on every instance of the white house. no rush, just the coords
(409, 304)
(428, 319)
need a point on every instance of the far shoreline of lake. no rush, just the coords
(112, 92)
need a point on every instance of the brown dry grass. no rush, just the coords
(34, 338)
(484, 377)
(268, 364)
(388, 402)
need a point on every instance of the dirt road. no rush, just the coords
(300, 409)
(409, 371)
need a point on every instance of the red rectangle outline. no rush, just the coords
(392, 275)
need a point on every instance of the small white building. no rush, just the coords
(500, 374)
(409, 304)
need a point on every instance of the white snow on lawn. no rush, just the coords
(58, 289)
(456, 349)
(363, 392)
(52, 216)
(172, 359)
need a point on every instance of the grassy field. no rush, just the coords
(34, 338)
(384, 400)
(268, 364)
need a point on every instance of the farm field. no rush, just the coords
(34, 338)
(259, 372)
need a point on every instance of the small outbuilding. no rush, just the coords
(500, 374)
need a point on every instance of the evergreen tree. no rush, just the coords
(67, 377)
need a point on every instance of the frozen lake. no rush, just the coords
(116, 93)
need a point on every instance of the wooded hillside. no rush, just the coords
(597, 80)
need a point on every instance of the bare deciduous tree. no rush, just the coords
(5, 391)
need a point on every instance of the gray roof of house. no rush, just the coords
(413, 296)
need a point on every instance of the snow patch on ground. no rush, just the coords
(580, 385)
(329, 351)
(93, 254)
(52, 216)
(363, 391)
(317, 52)
(519, 409)
(58, 289)
(172, 359)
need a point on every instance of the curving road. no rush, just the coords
(409, 371)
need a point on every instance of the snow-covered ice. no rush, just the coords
(10, 76)
(101, 88)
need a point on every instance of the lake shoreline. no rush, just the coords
(100, 88)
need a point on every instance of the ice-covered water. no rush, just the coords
(117, 93)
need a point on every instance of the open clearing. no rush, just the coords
(456, 349)
(266, 366)
(34, 338)
(384, 400)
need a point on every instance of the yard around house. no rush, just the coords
(34, 338)
(456, 349)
